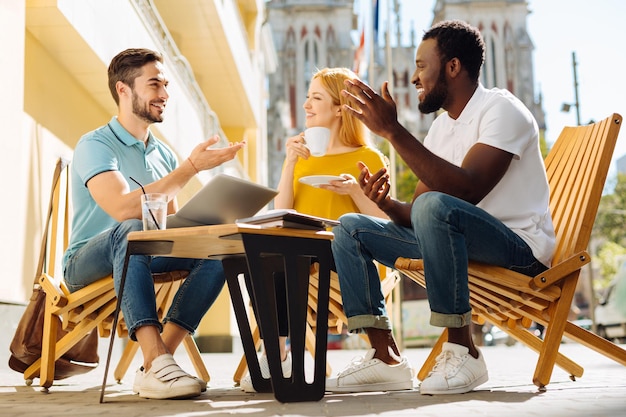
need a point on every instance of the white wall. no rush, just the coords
(14, 169)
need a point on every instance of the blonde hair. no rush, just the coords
(351, 132)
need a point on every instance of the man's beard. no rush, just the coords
(435, 100)
(143, 112)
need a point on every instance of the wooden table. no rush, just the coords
(259, 253)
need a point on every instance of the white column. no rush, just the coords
(14, 149)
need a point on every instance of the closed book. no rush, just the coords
(289, 218)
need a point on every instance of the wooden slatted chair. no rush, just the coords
(90, 307)
(577, 167)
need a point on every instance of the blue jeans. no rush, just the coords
(105, 253)
(446, 232)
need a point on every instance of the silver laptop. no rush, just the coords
(222, 200)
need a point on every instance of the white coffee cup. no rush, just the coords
(153, 211)
(316, 139)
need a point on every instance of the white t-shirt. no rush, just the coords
(521, 199)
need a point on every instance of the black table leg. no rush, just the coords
(233, 267)
(297, 255)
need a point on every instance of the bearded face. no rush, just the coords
(435, 98)
(150, 112)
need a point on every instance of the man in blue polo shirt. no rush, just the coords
(106, 203)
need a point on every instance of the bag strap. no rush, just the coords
(53, 210)
(52, 246)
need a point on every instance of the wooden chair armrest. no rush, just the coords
(561, 270)
(499, 276)
(409, 264)
(53, 290)
(84, 295)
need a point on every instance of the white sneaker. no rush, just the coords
(139, 378)
(246, 382)
(369, 374)
(455, 372)
(165, 380)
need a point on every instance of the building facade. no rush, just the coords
(56, 53)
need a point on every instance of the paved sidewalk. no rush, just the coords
(601, 392)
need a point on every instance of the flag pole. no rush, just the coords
(388, 63)
(372, 42)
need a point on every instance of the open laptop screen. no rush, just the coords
(222, 200)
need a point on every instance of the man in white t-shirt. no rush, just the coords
(482, 195)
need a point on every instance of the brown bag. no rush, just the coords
(26, 344)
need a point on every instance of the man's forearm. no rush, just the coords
(399, 212)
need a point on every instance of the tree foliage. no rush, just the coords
(611, 216)
(608, 257)
(609, 229)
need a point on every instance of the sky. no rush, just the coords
(594, 30)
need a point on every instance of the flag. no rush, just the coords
(359, 65)
(375, 24)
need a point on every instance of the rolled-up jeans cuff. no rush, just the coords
(147, 322)
(453, 321)
(357, 324)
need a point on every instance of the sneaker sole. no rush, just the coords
(246, 382)
(386, 386)
(170, 394)
(459, 390)
(248, 388)
(202, 383)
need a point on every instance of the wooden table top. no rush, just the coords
(217, 240)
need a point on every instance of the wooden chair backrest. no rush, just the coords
(58, 204)
(579, 154)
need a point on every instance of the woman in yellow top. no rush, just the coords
(348, 147)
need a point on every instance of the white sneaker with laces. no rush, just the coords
(165, 380)
(456, 371)
(370, 374)
(246, 382)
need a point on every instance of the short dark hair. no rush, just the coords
(458, 39)
(126, 66)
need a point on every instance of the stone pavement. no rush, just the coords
(601, 392)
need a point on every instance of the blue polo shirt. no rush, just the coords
(110, 148)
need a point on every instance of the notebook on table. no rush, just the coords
(289, 218)
(222, 200)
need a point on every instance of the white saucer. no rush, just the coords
(317, 180)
